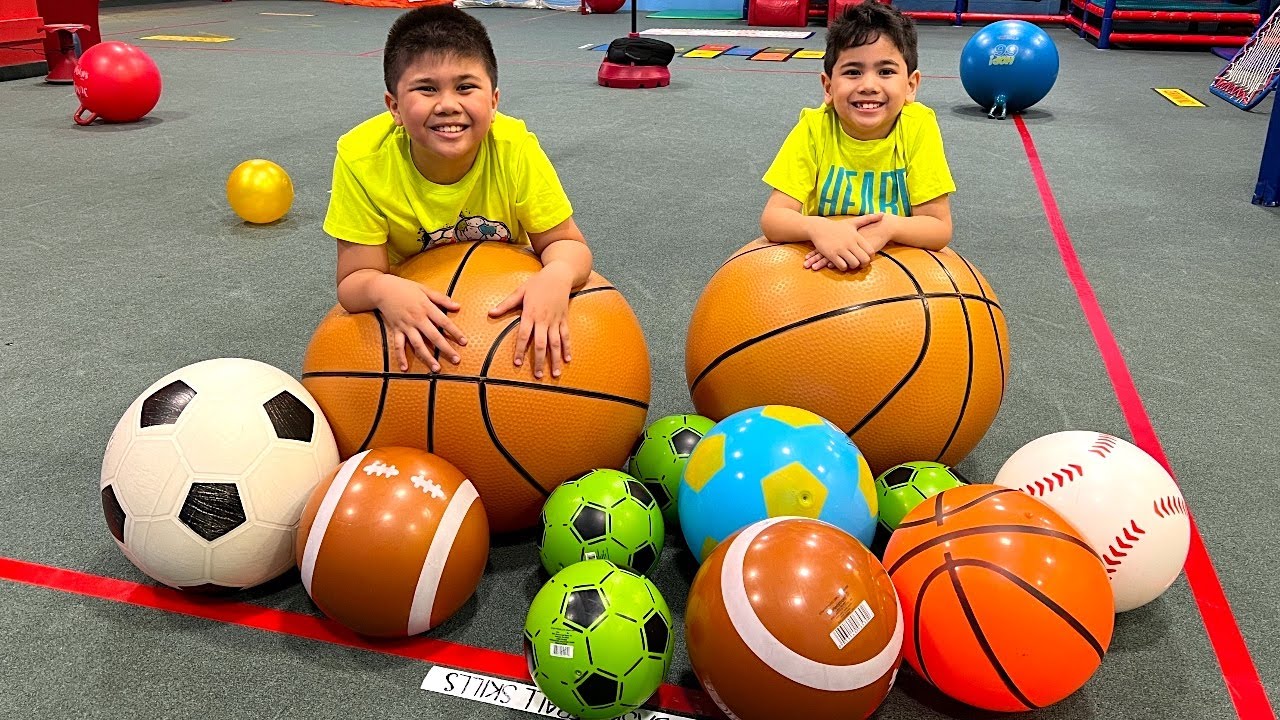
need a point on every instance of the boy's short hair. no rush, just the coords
(866, 22)
(435, 29)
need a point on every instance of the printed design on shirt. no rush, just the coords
(467, 228)
(861, 192)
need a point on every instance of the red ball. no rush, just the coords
(794, 613)
(394, 543)
(605, 6)
(117, 82)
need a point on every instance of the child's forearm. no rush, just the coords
(361, 291)
(922, 231)
(782, 225)
(572, 257)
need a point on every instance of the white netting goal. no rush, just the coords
(1255, 70)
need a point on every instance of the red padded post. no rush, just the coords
(778, 13)
(62, 65)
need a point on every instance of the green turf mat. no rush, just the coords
(697, 15)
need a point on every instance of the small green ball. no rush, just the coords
(661, 454)
(605, 514)
(598, 640)
(902, 487)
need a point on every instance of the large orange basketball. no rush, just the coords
(792, 617)
(909, 355)
(514, 436)
(1007, 607)
(393, 543)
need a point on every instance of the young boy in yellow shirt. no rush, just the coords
(867, 167)
(442, 165)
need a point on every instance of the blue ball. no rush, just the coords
(1009, 65)
(773, 461)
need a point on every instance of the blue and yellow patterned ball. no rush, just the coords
(772, 461)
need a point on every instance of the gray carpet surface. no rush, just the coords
(123, 262)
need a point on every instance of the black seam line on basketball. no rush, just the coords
(767, 246)
(939, 515)
(916, 613)
(995, 329)
(1044, 599)
(431, 417)
(987, 530)
(818, 318)
(481, 380)
(453, 285)
(484, 398)
(382, 393)
(968, 383)
(924, 348)
(980, 636)
(488, 423)
(515, 322)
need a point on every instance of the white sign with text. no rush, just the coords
(511, 694)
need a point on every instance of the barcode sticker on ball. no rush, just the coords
(849, 628)
(561, 651)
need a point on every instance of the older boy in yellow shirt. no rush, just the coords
(442, 165)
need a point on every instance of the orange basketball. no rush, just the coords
(394, 543)
(909, 356)
(1007, 607)
(794, 617)
(514, 436)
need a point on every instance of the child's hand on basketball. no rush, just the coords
(415, 317)
(840, 245)
(544, 318)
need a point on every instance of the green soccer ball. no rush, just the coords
(598, 640)
(902, 487)
(660, 455)
(605, 514)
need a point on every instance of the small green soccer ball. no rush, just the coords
(605, 514)
(902, 487)
(661, 453)
(598, 640)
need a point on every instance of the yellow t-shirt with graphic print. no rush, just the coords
(378, 195)
(834, 174)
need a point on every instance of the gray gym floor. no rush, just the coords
(123, 262)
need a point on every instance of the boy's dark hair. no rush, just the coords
(867, 22)
(435, 29)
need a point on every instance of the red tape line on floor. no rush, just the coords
(441, 652)
(1238, 670)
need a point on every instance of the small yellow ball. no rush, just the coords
(259, 191)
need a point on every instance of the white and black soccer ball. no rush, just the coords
(205, 477)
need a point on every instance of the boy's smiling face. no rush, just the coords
(868, 87)
(446, 104)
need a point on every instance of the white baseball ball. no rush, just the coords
(1121, 500)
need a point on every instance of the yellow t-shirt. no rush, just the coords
(834, 174)
(378, 195)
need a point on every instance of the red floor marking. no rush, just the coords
(1238, 670)
(672, 698)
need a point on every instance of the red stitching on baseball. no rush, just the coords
(1170, 505)
(1103, 446)
(1062, 475)
(1111, 557)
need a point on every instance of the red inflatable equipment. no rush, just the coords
(117, 82)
